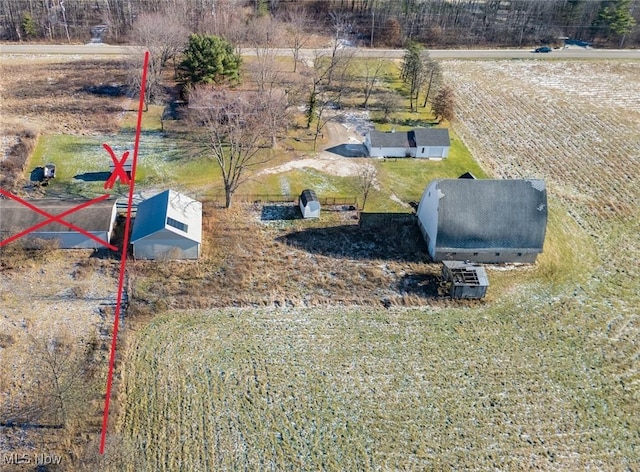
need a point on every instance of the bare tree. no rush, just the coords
(329, 78)
(235, 131)
(434, 81)
(60, 383)
(371, 72)
(296, 23)
(366, 181)
(164, 37)
(444, 103)
(388, 104)
(264, 68)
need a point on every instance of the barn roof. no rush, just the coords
(16, 217)
(413, 138)
(498, 214)
(171, 211)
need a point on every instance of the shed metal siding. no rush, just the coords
(309, 204)
(72, 239)
(166, 249)
(168, 226)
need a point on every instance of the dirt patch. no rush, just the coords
(56, 319)
(345, 134)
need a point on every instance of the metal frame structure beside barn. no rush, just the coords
(464, 279)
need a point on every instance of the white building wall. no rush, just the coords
(432, 152)
(310, 210)
(428, 217)
(389, 152)
(165, 244)
(158, 249)
(73, 239)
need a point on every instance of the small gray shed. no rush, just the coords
(309, 204)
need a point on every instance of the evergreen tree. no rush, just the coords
(210, 59)
(29, 26)
(616, 18)
(413, 72)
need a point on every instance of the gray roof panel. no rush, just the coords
(501, 214)
(414, 138)
(432, 137)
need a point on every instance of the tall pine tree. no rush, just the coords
(210, 59)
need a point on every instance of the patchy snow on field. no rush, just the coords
(6, 143)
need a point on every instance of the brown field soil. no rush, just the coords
(68, 95)
(49, 297)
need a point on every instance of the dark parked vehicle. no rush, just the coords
(543, 49)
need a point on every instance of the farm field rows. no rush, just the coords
(544, 375)
(363, 389)
(574, 124)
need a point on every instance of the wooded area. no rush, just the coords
(378, 23)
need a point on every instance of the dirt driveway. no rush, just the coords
(344, 152)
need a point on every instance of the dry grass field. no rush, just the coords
(61, 94)
(543, 375)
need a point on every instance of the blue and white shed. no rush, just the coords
(168, 226)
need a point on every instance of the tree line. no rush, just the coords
(378, 23)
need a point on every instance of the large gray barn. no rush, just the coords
(167, 226)
(97, 219)
(488, 221)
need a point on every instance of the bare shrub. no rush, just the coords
(12, 167)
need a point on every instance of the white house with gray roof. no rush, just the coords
(489, 221)
(426, 143)
(167, 226)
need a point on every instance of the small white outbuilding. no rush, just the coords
(167, 226)
(309, 204)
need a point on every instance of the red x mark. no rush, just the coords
(119, 171)
(55, 219)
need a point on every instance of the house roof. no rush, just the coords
(171, 211)
(389, 139)
(500, 214)
(431, 137)
(413, 138)
(16, 217)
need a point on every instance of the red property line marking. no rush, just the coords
(123, 261)
(55, 219)
(119, 171)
